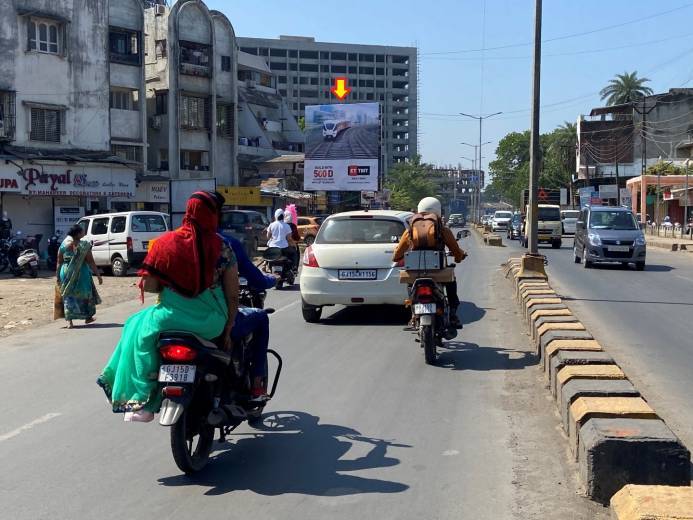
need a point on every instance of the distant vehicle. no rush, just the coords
(501, 220)
(515, 227)
(308, 228)
(350, 262)
(456, 220)
(486, 219)
(607, 234)
(121, 240)
(569, 217)
(549, 226)
(247, 226)
(331, 129)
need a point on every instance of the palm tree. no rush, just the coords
(625, 88)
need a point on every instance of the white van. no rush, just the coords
(121, 240)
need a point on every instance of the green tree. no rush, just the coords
(302, 123)
(625, 88)
(409, 183)
(559, 158)
(665, 168)
(510, 170)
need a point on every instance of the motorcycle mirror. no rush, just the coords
(459, 235)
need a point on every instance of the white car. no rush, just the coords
(501, 220)
(569, 217)
(350, 262)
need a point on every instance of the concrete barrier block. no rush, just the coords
(537, 293)
(539, 301)
(568, 344)
(521, 293)
(575, 326)
(617, 452)
(552, 335)
(585, 408)
(546, 307)
(574, 357)
(591, 388)
(536, 324)
(549, 313)
(637, 502)
(570, 372)
(495, 240)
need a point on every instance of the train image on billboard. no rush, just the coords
(332, 128)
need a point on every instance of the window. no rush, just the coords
(380, 58)
(353, 57)
(339, 56)
(194, 58)
(127, 152)
(303, 81)
(293, 54)
(249, 50)
(194, 113)
(46, 125)
(313, 81)
(278, 65)
(295, 106)
(307, 67)
(293, 66)
(148, 223)
(263, 52)
(365, 70)
(7, 114)
(324, 55)
(160, 47)
(380, 83)
(281, 79)
(282, 92)
(310, 55)
(324, 68)
(379, 71)
(366, 57)
(99, 226)
(225, 120)
(226, 63)
(163, 159)
(326, 82)
(295, 80)
(369, 96)
(194, 160)
(124, 99)
(309, 93)
(124, 46)
(353, 70)
(266, 80)
(43, 36)
(360, 231)
(161, 103)
(339, 69)
(278, 52)
(118, 224)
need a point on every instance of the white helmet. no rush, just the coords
(430, 205)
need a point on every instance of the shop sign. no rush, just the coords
(10, 183)
(76, 182)
(149, 191)
(240, 195)
(65, 217)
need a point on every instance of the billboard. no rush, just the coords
(342, 147)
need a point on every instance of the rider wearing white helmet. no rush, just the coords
(428, 206)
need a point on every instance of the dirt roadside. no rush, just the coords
(26, 303)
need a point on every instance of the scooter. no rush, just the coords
(19, 259)
(280, 265)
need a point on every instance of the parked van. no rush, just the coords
(121, 240)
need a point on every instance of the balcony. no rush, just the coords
(195, 59)
(192, 69)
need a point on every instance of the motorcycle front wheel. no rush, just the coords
(191, 442)
(428, 342)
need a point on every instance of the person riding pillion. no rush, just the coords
(428, 232)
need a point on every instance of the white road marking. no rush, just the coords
(450, 453)
(282, 309)
(683, 278)
(29, 426)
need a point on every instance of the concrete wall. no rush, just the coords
(125, 124)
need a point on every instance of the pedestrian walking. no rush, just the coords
(76, 286)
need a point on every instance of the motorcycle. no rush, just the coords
(205, 389)
(20, 259)
(52, 250)
(280, 265)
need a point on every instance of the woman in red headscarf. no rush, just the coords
(197, 280)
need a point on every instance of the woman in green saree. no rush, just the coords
(197, 281)
(74, 272)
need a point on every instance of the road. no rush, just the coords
(359, 142)
(360, 427)
(642, 318)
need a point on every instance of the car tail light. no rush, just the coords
(179, 353)
(173, 391)
(129, 244)
(309, 259)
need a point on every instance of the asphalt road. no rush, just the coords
(642, 318)
(357, 142)
(360, 427)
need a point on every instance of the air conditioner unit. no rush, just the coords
(155, 122)
(159, 10)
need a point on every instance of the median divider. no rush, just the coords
(635, 502)
(614, 434)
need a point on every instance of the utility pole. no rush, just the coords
(618, 187)
(685, 211)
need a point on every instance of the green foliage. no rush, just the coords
(409, 183)
(302, 123)
(665, 168)
(625, 88)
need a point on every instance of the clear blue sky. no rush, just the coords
(453, 83)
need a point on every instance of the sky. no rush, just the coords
(613, 36)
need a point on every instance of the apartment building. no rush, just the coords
(192, 98)
(306, 71)
(72, 128)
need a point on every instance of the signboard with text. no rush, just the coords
(65, 217)
(342, 147)
(77, 181)
(241, 195)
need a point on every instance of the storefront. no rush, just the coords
(150, 195)
(30, 191)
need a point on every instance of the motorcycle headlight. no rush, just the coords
(640, 241)
(594, 239)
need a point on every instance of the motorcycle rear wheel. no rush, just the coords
(428, 342)
(191, 457)
(33, 272)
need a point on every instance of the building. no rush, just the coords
(71, 119)
(192, 98)
(306, 71)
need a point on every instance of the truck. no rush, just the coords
(549, 226)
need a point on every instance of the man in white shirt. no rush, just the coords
(278, 231)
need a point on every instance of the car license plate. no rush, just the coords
(620, 249)
(277, 269)
(177, 374)
(357, 274)
(424, 308)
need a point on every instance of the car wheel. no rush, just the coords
(119, 267)
(640, 266)
(576, 257)
(585, 263)
(311, 314)
(309, 240)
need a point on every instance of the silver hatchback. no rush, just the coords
(607, 234)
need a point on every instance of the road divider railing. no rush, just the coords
(614, 434)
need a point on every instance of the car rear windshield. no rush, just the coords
(148, 223)
(617, 220)
(503, 214)
(360, 231)
(549, 214)
(571, 214)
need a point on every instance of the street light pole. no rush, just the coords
(477, 171)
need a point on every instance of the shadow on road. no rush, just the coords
(654, 268)
(460, 355)
(293, 453)
(99, 326)
(469, 312)
(369, 315)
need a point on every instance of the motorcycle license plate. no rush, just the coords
(277, 269)
(424, 308)
(33, 264)
(177, 374)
